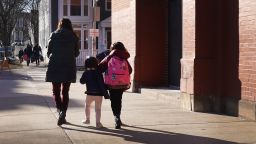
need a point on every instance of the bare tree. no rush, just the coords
(9, 12)
(34, 18)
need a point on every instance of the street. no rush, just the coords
(28, 116)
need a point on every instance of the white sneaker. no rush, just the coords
(86, 121)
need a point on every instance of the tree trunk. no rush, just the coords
(5, 38)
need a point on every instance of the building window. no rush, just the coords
(108, 5)
(75, 8)
(78, 34)
(16, 35)
(82, 34)
(65, 7)
(21, 35)
(85, 7)
(21, 22)
(85, 39)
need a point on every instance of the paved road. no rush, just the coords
(28, 116)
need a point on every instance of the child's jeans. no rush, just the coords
(98, 102)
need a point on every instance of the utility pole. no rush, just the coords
(94, 32)
(94, 27)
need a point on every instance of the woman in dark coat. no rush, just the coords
(62, 52)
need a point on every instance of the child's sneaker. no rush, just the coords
(99, 125)
(86, 121)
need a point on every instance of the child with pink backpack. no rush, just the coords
(117, 77)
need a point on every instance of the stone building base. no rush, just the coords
(220, 105)
(247, 109)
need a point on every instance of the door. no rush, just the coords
(174, 42)
(82, 34)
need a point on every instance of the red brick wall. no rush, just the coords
(216, 73)
(120, 5)
(142, 29)
(247, 57)
(209, 75)
(188, 52)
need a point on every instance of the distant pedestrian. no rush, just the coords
(62, 52)
(28, 54)
(37, 51)
(20, 55)
(95, 89)
(118, 54)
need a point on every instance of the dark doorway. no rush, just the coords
(108, 37)
(174, 41)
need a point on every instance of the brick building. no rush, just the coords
(205, 47)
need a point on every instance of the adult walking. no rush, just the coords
(62, 52)
(37, 50)
(117, 50)
(21, 53)
(28, 53)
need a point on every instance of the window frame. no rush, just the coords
(82, 9)
(83, 34)
(106, 5)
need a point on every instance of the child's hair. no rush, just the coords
(91, 62)
(118, 46)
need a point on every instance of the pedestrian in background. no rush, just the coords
(95, 89)
(37, 51)
(20, 55)
(28, 53)
(62, 52)
(117, 50)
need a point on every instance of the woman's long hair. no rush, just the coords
(65, 23)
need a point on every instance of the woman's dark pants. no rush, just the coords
(58, 89)
(61, 102)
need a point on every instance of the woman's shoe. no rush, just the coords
(62, 119)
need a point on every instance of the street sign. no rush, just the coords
(94, 32)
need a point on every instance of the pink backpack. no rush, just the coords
(117, 75)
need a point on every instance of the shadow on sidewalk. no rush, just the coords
(147, 135)
(23, 99)
(15, 92)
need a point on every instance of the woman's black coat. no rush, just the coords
(62, 51)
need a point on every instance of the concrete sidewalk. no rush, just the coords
(28, 116)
